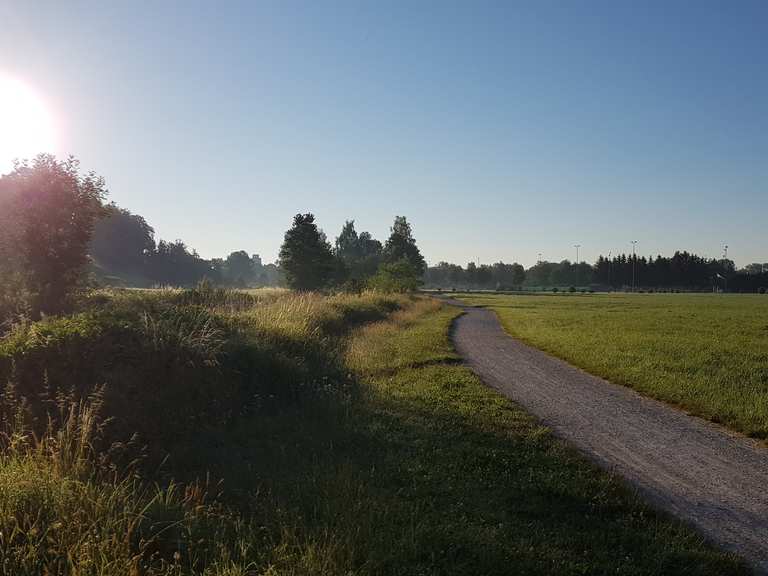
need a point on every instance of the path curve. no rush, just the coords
(701, 473)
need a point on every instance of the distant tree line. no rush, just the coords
(683, 271)
(124, 252)
(498, 276)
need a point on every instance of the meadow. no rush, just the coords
(243, 433)
(706, 353)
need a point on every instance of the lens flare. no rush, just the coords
(26, 124)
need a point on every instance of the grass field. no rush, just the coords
(411, 467)
(707, 353)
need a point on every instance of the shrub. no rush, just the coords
(761, 290)
(173, 368)
(400, 276)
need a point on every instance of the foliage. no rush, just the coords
(306, 256)
(125, 253)
(48, 211)
(704, 352)
(359, 254)
(402, 245)
(681, 271)
(499, 276)
(178, 363)
(123, 242)
(422, 470)
(400, 276)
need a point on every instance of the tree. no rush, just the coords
(122, 243)
(347, 246)
(305, 256)
(399, 276)
(484, 275)
(238, 269)
(53, 210)
(401, 244)
(471, 273)
(359, 254)
(518, 274)
(174, 264)
(755, 268)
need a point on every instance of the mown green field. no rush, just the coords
(360, 446)
(707, 353)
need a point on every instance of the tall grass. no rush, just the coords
(387, 457)
(181, 369)
(180, 363)
(66, 509)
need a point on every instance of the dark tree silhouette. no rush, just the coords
(359, 254)
(306, 256)
(402, 245)
(122, 244)
(347, 245)
(238, 269)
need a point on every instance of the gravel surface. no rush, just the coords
(701, 473)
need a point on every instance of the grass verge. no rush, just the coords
(707, 353)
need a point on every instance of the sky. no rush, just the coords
(502, 130)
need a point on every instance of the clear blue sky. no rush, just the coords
(500, 129)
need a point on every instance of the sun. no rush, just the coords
(26, 124)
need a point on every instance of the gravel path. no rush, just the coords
(713, 479)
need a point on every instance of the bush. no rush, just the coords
(173, 369)
(400, 276)
(761, 290)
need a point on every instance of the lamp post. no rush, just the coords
(577, 246)
(610, 271)
(634, 260)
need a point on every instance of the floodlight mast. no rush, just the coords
(634, 260)
(577, 246)
(610, 272)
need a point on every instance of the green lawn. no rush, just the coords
(707, 353)
(431, 472)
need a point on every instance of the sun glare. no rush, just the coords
(26, 124)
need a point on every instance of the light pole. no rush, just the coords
(539, 262)
(634, 259)
(610, 271)
(577, 246)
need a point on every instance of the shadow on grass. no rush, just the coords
(433, 474)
